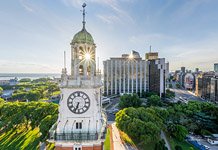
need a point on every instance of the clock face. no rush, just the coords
(78, 102)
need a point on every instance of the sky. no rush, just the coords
(35, 33)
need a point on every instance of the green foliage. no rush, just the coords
(13, 115)
(205, 132)
(178, 131)
(46, 124)
(141, 124)
(160, 145)
(41, 80)
(129, 101)
(1, 90)
(107, 140)
(154, 100)
(20, 139)
(2, 101)
(178, 85)
(170, 94)
(195, 116)
(177, 147)
(36, 90)
(25, 80)
(170, 85)
(33, 95)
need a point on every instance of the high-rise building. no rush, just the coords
(126, 74)
(198, 85)
(151, 55)
(157, 79)
(81, 122)
(183, 69)
(206, 84)
(214, 89)
(216, 67)
(189, 81)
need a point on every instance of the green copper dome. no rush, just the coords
(83, 37)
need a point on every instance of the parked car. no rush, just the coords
(206, 147)
(113, 111)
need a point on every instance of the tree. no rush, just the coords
(25, 80)
(129, 101)
(33, 95)
(1, 90)
(154, 100)
(141, 124)
(178, 131)
(160, 145)
(46, 124)
(169, 93)
(2, 101)
(178, 147)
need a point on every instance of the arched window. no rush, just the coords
(81, 69)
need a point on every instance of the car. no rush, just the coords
(206, 147)
(113, 111)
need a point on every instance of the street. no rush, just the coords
(182, 94)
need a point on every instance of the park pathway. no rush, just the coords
(163, 136)
(116, 140)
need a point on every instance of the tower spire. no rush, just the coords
(84, 15)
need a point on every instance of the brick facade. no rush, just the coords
(95, 147)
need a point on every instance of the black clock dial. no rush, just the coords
(78, 102)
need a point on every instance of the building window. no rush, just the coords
(79, 125)
(77, 147)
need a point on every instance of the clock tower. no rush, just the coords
(81, 123)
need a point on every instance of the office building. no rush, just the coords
(125, 74)
(216, 67)
(157, 79)
(183, 69)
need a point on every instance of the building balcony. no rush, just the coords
(54, 136)
(76, 137)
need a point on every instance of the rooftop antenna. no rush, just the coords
(98, 64)
(150, 48)
(84, 15)
(64, 59)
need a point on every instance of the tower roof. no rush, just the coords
(83, 37)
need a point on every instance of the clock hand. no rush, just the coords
(77, 106)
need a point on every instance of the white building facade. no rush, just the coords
(126, 74)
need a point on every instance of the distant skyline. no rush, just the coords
(35, 34)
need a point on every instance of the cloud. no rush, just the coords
(202, 54)
(109, 19)
(26, 5)
(188, 8)
(27, 67)
(149, 38)
(114, 5)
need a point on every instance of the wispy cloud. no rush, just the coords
(149, 38)
(27, 67)
(202, 54)
(26, 5)
(115, 5)
(188, 8)
(109, 19)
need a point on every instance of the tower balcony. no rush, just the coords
(54, 136)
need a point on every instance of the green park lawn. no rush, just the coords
(184, 144)
(107, 140)
(20, 139)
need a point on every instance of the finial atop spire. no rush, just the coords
(84, 15)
